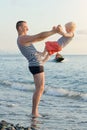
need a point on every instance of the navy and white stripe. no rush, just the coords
(31, 54)
(63, 41)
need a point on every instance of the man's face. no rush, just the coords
(24, 27)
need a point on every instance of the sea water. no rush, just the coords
(64, 102)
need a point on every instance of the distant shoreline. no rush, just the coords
(19, 54)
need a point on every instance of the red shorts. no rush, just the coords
(53, 47)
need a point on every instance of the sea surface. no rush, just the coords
(64, 102)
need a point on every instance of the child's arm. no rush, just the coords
(66, 34)
(61, 32)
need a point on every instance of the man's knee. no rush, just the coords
(41, 89)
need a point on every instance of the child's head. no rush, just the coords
(70, 27)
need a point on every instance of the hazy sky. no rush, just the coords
(41, 15)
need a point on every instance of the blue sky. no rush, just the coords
(41, 15)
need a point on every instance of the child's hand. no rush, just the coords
(54, 28)
(59, 28)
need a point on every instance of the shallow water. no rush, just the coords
(64, 102)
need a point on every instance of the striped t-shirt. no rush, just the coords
(31, 54)
(63, 41)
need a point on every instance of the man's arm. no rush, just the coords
(26, 39)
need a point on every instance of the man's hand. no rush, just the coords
(58, 28)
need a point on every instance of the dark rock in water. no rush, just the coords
(5, 125)
(9, 126)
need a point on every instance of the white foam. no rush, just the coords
(57, 92)
(12, 105)
(65, 92)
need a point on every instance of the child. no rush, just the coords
(56, 46)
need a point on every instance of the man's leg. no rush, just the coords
(39, 80)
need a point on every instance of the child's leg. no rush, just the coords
(43, 53)
(46, 58)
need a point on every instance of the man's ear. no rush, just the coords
(20, 28)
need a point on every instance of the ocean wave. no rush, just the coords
(21, 86)
(5, 83)
(8, 104)
(66, 93)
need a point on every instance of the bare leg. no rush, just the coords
(43, 53)
(39, 88)
(46, 58)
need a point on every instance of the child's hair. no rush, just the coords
(70, 25)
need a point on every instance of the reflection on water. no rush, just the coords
(35, 124)
(40, 123)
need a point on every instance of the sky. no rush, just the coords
(42, 15)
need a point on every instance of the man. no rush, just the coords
(25, 43)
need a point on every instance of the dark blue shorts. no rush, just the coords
(36, 69)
